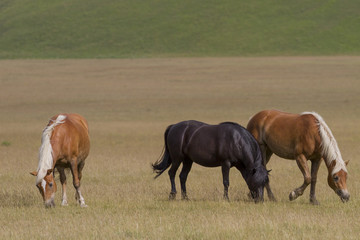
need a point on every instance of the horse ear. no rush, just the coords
(34, 173)
(49, 171)
(347, 162)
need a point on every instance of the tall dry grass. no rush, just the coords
(129, 103)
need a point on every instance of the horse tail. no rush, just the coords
(45, 152)
(164, 161)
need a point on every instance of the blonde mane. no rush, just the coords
(45, 152)
(329, 146)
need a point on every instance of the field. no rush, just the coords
(129, 103)
(160, 28)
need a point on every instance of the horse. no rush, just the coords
(65, 143)
(227, 145)
(301, 137)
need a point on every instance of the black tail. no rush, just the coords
(164, 161)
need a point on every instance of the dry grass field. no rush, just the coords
(129, 103)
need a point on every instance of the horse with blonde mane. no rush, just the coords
(65, 143)
(302, 137)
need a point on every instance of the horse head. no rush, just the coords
(337, 181)
(256, 183)
(47, 187)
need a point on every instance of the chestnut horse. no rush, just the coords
(226, 145)
(302, 137)
(65, 143)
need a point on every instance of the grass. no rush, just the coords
(5, 143)
(159, 28)
(129, 104)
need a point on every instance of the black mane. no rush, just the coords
(233, 123)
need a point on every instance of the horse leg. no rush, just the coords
(315, 164)
(174, 166)
(64, 201)
(80, 197)
(76, 180)
(183, 176)
(225, 168)
(266, 153)
(302, 163)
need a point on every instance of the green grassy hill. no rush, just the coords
(162, 28)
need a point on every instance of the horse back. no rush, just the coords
(70, 140)
(211, 145)
(180, 134)
(286, 134)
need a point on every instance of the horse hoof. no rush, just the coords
(83, 205)
(314, 202)
(185, 198)
(292, 196)
(272, 199)
(64, 204)
(172, 196)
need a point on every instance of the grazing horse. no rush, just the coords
(65, 143)
(226, 145)
(302, 137)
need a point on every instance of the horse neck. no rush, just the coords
(330, 152)
(258, 159)
(339, 164)
(45, 153)
(329, 147)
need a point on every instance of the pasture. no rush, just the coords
(161, 28)
(129, 103)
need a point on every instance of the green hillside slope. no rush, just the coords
(161, 28)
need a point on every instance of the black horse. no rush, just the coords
(227, 144)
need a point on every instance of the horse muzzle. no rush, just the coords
(258, 195)
(49, 203)
(344, 195)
